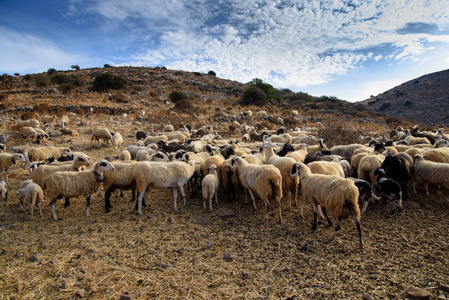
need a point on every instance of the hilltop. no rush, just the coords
(424, 100)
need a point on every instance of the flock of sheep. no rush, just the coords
(274, 166)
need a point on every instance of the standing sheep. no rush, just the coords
(337, 196)
(210, 186)
(265, 180)
(7, 160)
(43, 153)
(429, 172)
(388, 188)
(101, 133)
(27, 133)
(75, 184)
(117, 140)
(33, 195)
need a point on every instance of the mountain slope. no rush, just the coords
(422, 100)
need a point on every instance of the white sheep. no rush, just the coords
(210, 185)
(263, 180)
(48, 119)
(158, 156)
(261, 114)
(43, 153)
(33, 195)
(27, 133)
(429, 172)
(155, 139)
(327, 168)
(142, 155)
(437, 155)
(284, 164)
(368, 165)
(31, 123)
(75, 184)
(168, 128)
(336, 195)
(124, 155)
(281, 138)
(65, 121)
(317, 148)
(176, 135)
(3, 192)
(7, 160)
(117, 140)
(346, 151)
(161, 175)
(101, 133)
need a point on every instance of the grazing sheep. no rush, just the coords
(429, 172)
(209, 186)
(284, 164)
(337, 196)
(229, 180)
(101, 133)
(3, 192)
(265, 180)
(390, 188)
(117, 140)
(124, 155)
(75, 184)
(27, 133)
(7, 160)
(43, 153)
(368, 165)
(168, 128)
(327, 168)
(34, 195)
(161, 175)
(437, 155)
(142, 155)
(65, 121)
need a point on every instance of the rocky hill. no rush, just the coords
(424, 100)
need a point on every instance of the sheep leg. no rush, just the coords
(404, 190)
(426, 188)
(337, 228)
(365, 204)
(183, 193)
(121, 193)
(139, 200)
(253, 198)
(87, 205)
(327, 218)
(52, 209)
(31, 208)
(359, 229)
(216, 197)
(210, 202)
(40, 209)
(107, 201)
(67, 202)
(314, 218)
(175, 195)
(414, 186)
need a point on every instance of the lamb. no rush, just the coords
(7, 160)
(34, 195)
(365, 192)
(101, 133)
(265, 180)
(210, 186)
(75, 184)
(336, 195)
(429, 172)
(142, 155)
(160, 175)
(3, 192)
(117, 140)
(65, 121)
(284, 164)
(43, 153)
(390, 188)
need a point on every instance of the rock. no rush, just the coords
(201, 221)
(247, 274)
(54, 133)
(33, 258)
(162, 265)
(80, 293)
(209, 245)
(194, 260)
(4, 138)
(414, 205)
(367, 297)
(418, 293)
(227, 257)
(439, 253)
(225, 212)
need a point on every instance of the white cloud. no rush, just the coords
(23, 53)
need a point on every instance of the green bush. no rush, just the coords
(106, 81)
(253, 95)
(66, 87)
(51, 71)
(61, 78)
(212, 73)
(176, 96)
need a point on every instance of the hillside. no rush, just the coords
(424, 100)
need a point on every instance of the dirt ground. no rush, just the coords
(195, 254)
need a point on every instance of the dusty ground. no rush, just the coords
(167, 254)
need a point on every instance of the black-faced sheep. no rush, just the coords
(263, 180)
(75, 184)
(336, 195)
(388, 188)
(7, 160)
(399, 167)
(365, 192)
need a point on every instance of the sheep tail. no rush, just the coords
(352, 208)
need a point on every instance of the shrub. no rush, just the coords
(66, 87)
(27, 77)
(176, 96)
(384, 106)
(17, 74)
(75, 67)
(408, 103)
(107, 65)
(51, 71)
(253, 95)
(28, 115)
(212, 73)
(120, 98)
(61, 78)
(197, 73)
(184, 105)
(106, 81)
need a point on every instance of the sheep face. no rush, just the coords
(104, 165)
(19, 157)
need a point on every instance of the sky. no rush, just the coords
(347, 49)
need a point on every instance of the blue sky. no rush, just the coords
(344, 48)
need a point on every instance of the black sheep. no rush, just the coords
(390, 188)
(399, 167)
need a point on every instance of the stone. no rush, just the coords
(55, 133)
(80, 293)
(247, 274)
(418, 293)
(225, 212)
(201, 221)
(33, 258)
(128, 297)
(228, 257)
(366, 296)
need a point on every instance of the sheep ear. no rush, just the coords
(13, 160)
(294, 169)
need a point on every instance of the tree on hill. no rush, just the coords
(253, 95)
(106, 81)
(269, 90)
